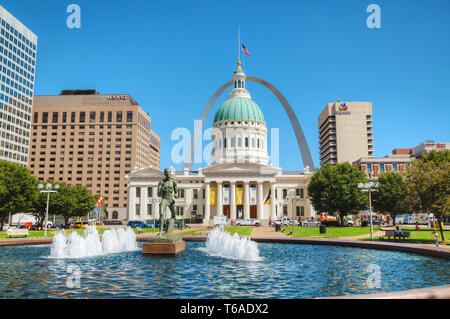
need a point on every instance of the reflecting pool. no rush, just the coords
(283, 271)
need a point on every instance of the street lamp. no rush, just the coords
(47, 190)
(369, 187)
(154, 201)
(293, 198)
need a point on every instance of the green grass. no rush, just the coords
(51, 233)
(419, 237)
(195, 232)
(241, 230)
(332, 232)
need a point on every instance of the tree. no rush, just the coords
(334, 189)
(18, 190)
(429, 181)
(392, 196)
(74, 201)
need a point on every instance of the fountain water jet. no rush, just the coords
(221, 243)
(76, 246)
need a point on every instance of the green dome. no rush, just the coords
(239, 108)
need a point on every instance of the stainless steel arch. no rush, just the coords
(301, 140)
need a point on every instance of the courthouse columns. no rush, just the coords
(219, 199)
(260, 201)
(143, 202)
(155, 209)
(272, 202)
(233, 201)
(246, 200)
(207, 205)
(132, 203)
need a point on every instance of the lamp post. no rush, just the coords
(369, 187)
(293, 198)
(154, 201)
(47, 190)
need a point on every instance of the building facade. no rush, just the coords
(84, 138)
(345, 132)
(398, 161)
(17, 74)
(239, 183)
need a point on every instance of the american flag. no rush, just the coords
(244, 49)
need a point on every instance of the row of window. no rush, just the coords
(82, 117)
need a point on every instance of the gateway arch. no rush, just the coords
(301, 140)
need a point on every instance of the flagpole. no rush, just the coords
(239, 43)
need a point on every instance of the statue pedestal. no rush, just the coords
(167, 244)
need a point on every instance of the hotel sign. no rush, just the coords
(116, 97)
(343, 109)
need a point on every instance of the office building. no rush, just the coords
(85, 138)
(17, 75)
(345, 132)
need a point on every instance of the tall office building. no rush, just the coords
(345, 132)
(17, 70)
(84, 138)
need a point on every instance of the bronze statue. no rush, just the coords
(167, 190)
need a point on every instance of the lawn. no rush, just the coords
(194, 232)
(332, 232)
(241, 230)
(51, 233)
(420, 237)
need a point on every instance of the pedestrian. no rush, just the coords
(436, 238)
(417, 227)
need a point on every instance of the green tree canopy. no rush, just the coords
(392, 196)
(429, 181)
(18, 190)
(334, 189)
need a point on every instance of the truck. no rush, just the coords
(26, 220)
(220, 220)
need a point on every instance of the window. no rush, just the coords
(395, 167)
(64, 117)
(129, 116)
(284, 193)
(102, 116)
(82, 116)
(55, 117)
(119, 116)
(285, 210)
(92, 117)
(382, 168)
(369, 168)
(195, 194)
(109, 116)
(72, 117)
(181, 192)
(44, 117)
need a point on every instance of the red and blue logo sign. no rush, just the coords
(343, 107)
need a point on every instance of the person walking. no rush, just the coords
(436, 238)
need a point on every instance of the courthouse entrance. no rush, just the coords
(253, 211)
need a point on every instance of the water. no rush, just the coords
(90, 244)
(220, 243)
(284, 271)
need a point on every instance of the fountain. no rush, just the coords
(221, 243)
(76, 246)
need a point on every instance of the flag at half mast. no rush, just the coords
(244, 49)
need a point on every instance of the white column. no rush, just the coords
(233, 201)
(272, 201)
(144, 202)
(207, 206)
(246, 200)
(132, 203)
(260, 206)
(155, 209)
(219, 199)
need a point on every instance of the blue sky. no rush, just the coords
(171, 56)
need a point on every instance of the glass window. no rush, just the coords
(119, 116)
(82, 116)
(64, 117)
(395, 167)
(129, 116)
(102, 116)
(109, 116)
(55, 117)
(92, 117)
(44, 117)
(72, 117)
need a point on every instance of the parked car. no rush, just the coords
(112, 222)
(310, 223)
(286, 221)
(348, 222)
(138, 223)
(248, 222)
(82, 225)
(276, 222)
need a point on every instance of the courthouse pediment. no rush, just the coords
(147, 172)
